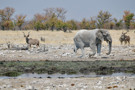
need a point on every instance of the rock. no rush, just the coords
(28, 87)
(118, 78)
(56, 56)
(99, 82)
(65, 54)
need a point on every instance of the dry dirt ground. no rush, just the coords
(59, 46)
(99, 83)
(65, 53)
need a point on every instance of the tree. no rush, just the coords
(127, 17)
(109, 25)
(20, 20)
(65, 26)
(5, 17)
(2, 18)
(46, 25)
(59, 13)
(85, 24)
(37, 25)
(102, 18)
(132, 24)
(28, 25)
(52, 22)
(39, 19)
(92, 23)
(71, 24)
(8, 12)
(118, 24)
(59, 25)
(8, 24)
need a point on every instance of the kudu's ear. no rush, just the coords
(125, 33)
(99, 35)
(28, 34)
(24, 34)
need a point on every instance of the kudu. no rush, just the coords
(124, 38)
(31, 41)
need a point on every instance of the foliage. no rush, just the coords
(85, 24)
(132, 25)
(109, 25)
(20, 20)
(52, 22)
(38, 21)
(8, 24)
(118, 24)
(92, 23)
(58, 12)
(127, 17)
(55, 19)
(37, 25)
(72, 24)
(59, 25)
(102, 18)
(5, 18)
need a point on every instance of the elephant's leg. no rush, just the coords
(93, 48)
(99, 48)
(81, 46)
(75, 50)
(83, 52)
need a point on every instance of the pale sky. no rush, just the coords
(76, 9)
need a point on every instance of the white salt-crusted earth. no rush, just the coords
(64, 53)
(98, 83)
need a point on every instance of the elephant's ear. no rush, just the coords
(104, 32)
(99, 35)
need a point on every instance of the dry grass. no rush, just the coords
(55, 37)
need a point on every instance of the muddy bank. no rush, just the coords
(15, 68)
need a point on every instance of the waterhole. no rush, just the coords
(66, 69)
(58, 75)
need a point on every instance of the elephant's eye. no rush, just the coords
(106, 34)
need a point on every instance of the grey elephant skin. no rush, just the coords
(93, 39)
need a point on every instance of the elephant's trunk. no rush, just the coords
(110, 47)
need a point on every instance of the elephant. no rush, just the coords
(93, 39)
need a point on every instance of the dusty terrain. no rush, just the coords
(99, 83)
(59, 46)
(65, 53)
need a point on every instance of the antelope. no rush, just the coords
(42, 39)
(31, 41)
(124, 38)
